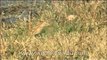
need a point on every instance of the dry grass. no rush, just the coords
(70, 17)
(62, 36)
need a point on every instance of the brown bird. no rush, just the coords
(39, 27)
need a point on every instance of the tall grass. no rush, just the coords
(76, 30)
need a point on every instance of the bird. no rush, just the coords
(39, 27)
